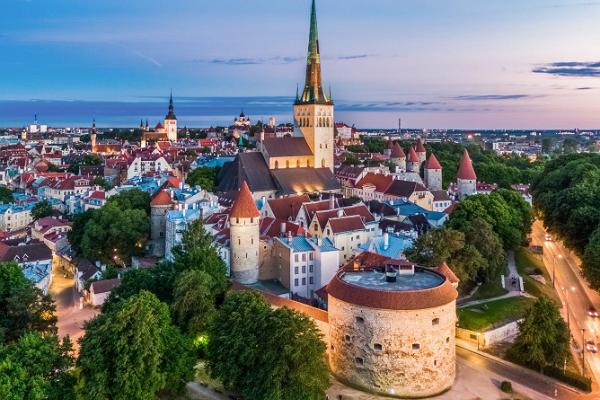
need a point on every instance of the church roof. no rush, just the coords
(287, 146)
(313, 92)
(432, 162)
(171, 114)
(244, 205)
(465, 168)
(304, 180)
(249, 167)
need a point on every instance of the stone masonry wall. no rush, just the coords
(393, 352)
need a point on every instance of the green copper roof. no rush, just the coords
(313, 92)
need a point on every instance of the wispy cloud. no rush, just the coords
(570, 68)
(483, 97)
(146, 57)
(353, 57)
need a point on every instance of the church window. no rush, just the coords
(287, 163)
(276, 164)
(323, 163)
(298, 163)
(252, 241)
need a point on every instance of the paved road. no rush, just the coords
(574, 293)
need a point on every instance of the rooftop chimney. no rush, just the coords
(390, 275)
(283, 227)
(340, 212)
(289, 237)
(331, 201)
(386, 241)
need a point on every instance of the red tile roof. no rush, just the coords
(397, 151)
(162, 198)
(244, 205)
(432, 162)
(287, 208)
(346, 224)
(420, 147)
(465, 169)
(412, 156)
(380, 181)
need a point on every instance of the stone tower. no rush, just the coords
(244, 237)
(433, 173)
(420, 150)
(466, 177)
(93, 133)
(171, 122)
(413, 163)
(313, 110)
(160, 205)
(398, 158)
(24, 135)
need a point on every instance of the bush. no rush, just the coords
(506, 387)
(570, 378)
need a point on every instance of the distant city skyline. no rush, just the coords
(459, 64)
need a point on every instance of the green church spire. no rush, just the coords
(313, 92)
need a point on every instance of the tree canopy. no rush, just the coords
(205, 177)
(6, 195)
(126, 353)
(266, 354)
(41, 209)
(543, 337)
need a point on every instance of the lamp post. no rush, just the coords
(583, 351)
(566, 292)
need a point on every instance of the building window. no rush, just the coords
(296, 257)
(378, 346)
(435, 321)
(311, 280)
(360, 320)
(304, 269)
(310, 256)
(296, 282)
(347, 338)
(303, 281)
(416, 346)
(448, 340)
(303, 256)
(295, 270)
(359, 361)
(310, 268)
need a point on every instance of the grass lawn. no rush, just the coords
(488, 290)
(485, 316)
(529, 263)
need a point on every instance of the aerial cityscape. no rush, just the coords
(299, 200)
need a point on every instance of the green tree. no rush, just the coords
(543, 337)
(194, 301)
(102, 236)
(480, 234)
(134, 199)
(205, 177)
(6, 195)
(76, 234)
(136, 280)
(23, 307)
(265, 354)
(436, 247)
(41, 209)
(196, 252)
(591, 261)
(36, 367)
(125, 353)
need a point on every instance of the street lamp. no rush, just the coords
(566, 292)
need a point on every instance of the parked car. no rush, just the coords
(591, 346)
(592, 312)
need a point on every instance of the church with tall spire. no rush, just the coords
(302, 162)
(166, 131)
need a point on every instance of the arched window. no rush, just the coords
(323, 163)
(276, 164)
(287, 163)
(299, 163)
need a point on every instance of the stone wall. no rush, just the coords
(393, 352)
(245, 242)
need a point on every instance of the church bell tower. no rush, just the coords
(313, 109)
(171, 122)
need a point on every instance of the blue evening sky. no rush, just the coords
(450, 63)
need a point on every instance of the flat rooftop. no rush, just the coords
(375, 280)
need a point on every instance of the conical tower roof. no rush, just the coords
(412, 156)
(244, 205)
(465, 168)
(420, 148)
(397, 151)
(432, 162)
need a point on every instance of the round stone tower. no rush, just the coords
(420, 150)
(433, 173)
(244, 237)
(398, 157)
(160, 205)
(466, 178)
(413, 163)
(391, 330)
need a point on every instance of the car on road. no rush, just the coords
(592, 312)
(591, 346)
(547, 237)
